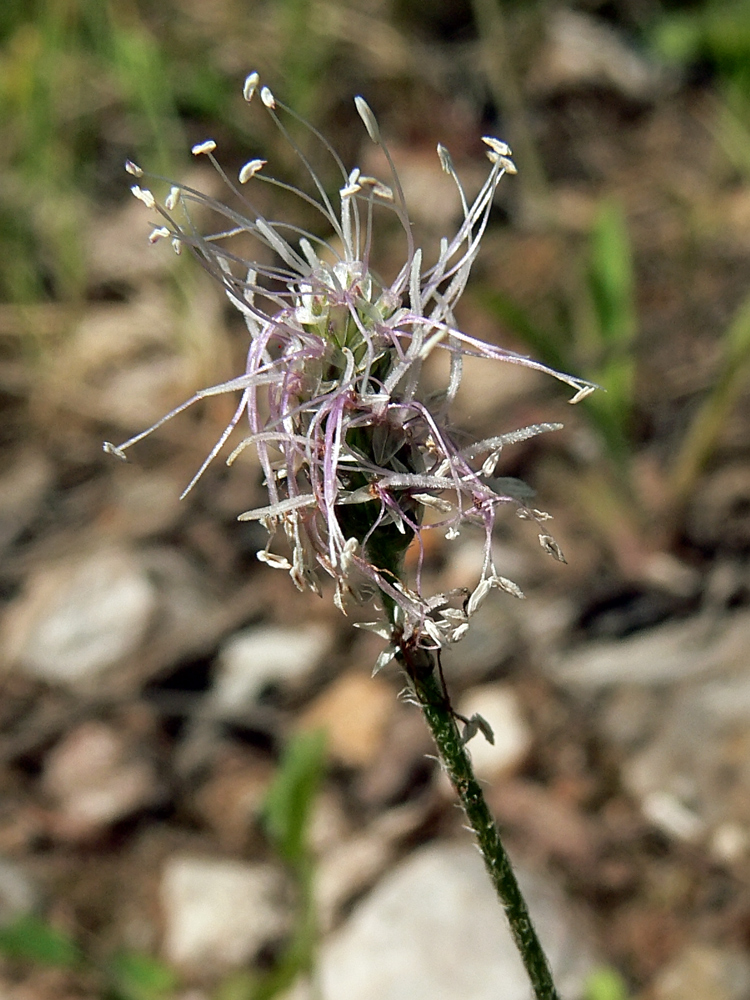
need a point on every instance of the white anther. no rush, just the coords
(159, 233)
(437, 503)
(267, 97)
(508, 165)
(250, 169)
(370, 121)
(177, 246)
(379, 189)
(497, 145)
(248, 89)
(445, 158)
(203, 147)
(133, 168)
(144, 195)
(272, 560)
(112, 449)
(582, 393)
(172, 198)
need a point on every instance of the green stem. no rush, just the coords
(421, 668)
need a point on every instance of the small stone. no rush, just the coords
(677, 650)
(583, 51)
(690, 767)
(433, 929)
(354, 863)
(22, 488)
(729, 843)
(701, 972)
(266, 656)
(354, 711)
(96, 779)
(18, 894)
(218, 914)
(79, 618)
(498, 704)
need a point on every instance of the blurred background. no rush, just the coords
(203, 793)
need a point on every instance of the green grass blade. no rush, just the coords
(289, 800)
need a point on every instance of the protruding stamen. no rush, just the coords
(133, 168)
(582, 393)
(203, 147)
(446, 161)
(250, 85)
(508, 165)
(172, 198)
(112, 449)
(250, 169)
(370, 121)
(160, 233)
(144, 195)
(267, 97)
(497, 145)
(379, 189)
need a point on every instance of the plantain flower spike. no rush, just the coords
(352, 452)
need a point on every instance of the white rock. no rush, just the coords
(498, 704)
(219, 913)
(697, 646)
(701, 972)
(259, 657)
(79, 618)
(690, 754)
(433, 930)
(583, 51)
(96, 779)
(18, 894)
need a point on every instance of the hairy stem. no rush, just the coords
(422, 670)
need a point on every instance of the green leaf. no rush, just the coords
(30, 939)
(136, 976)
(611, 275)
(289, 800)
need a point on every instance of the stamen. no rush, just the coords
(203, 147)
(250, 169)
(144, 195)
(370, 121)
(250, 85)
(172, 198)
(497, 145)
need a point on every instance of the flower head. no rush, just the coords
(351, 452)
